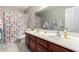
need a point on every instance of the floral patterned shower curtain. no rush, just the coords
(13, 24)
(1, 25)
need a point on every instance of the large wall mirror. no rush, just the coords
(59, 17)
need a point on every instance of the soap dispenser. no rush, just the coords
(65, 33)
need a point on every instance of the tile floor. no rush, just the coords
(13, 47)
(8, 47)
(21, 46)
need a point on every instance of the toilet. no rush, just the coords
(20, 38)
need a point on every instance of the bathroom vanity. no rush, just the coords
(38, 42)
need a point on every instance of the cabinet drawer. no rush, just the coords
(27, 34)
(42, 42)
(57, 48)
(51, 47)
(32, 45)
(40, 48)
(32, 37)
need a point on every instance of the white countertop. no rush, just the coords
(71, 43)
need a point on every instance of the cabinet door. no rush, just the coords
(32, 45)
(42, 42)
(32, 37)
(27, 39)
(40, 48)
(57, 48)
(51, 47)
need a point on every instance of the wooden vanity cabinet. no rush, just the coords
(32, 37)
(27, 42)
(40, 48)
(56, 48)
(41, 45)
(42, 42)
(37, 44)
(32, 43)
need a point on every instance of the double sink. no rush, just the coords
(52, 34)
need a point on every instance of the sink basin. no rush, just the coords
(51, 34)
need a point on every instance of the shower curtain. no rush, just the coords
(13, 24)
(1, 25)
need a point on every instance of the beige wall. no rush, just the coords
(31, 15)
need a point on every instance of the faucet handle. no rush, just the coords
(65, 29)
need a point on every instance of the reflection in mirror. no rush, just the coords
(59, 18)
(72, 19)
(53, 17)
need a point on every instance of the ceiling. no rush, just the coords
(18, 8)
